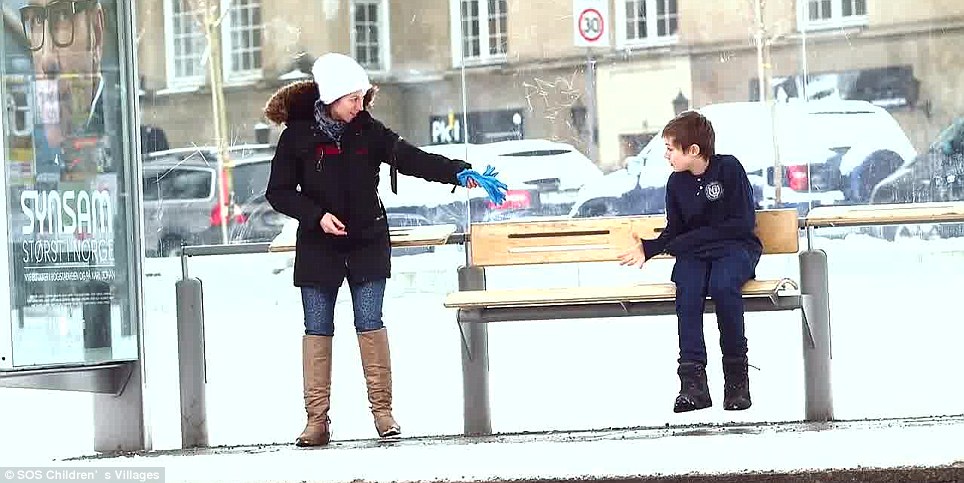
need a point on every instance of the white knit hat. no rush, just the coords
(338, 75)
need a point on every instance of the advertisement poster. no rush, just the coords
(66, 230)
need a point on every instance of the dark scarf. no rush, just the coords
(332, 128)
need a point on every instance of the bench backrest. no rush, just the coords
(600, 239)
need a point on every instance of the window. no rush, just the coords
(241, 35)
(187, 54)
(369, 31)
(483, 25)
(185, 45)
(646, 22)
(821, 14)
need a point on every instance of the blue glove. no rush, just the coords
(487, 180)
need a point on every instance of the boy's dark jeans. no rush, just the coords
(721, 278)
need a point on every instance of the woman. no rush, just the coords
(325, 175)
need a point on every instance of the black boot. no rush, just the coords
(693, 393)
(736, 385)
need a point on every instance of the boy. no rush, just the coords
(711, 217)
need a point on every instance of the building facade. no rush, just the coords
(515, 66)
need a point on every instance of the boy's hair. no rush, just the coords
(689, 128)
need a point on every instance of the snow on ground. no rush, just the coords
(896, 332)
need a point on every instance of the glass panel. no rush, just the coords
(818, 133)
(922, 260)
(67, 218)
(419, 98)
(843, 116)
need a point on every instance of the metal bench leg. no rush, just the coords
(475, 362)
(815, 291)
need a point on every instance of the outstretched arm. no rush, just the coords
(643, 250)
(412, 161)
(674, 224)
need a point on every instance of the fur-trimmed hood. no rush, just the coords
(296, 102)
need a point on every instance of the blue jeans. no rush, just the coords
(722, 279)
(319, 306)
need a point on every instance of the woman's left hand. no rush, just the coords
(470, 183)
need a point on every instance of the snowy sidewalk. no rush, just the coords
(634, 454)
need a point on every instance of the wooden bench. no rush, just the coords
(537, 242)
(601, 240)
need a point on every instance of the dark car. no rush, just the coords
(936, 175)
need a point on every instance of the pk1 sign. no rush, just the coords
(591, 23)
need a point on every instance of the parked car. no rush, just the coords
(831, 152)
(544, 178)
(936, 175)
(182, 190)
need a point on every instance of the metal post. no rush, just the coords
(591, 114)
(475, 362)
(190, 361)
(119, 419)
(815, 291)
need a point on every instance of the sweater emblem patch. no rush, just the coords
(714, 191)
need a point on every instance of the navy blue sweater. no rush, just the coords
(708, 214)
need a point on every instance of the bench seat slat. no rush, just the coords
(594, 295)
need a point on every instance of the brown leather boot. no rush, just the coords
(377, 363)
(316, 360)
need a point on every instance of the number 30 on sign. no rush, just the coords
(590, 23)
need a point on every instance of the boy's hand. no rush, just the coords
(633, 257)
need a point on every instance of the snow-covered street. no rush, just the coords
(896, 347)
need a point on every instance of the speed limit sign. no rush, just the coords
(591, 23)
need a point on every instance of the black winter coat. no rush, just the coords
(312, 175)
